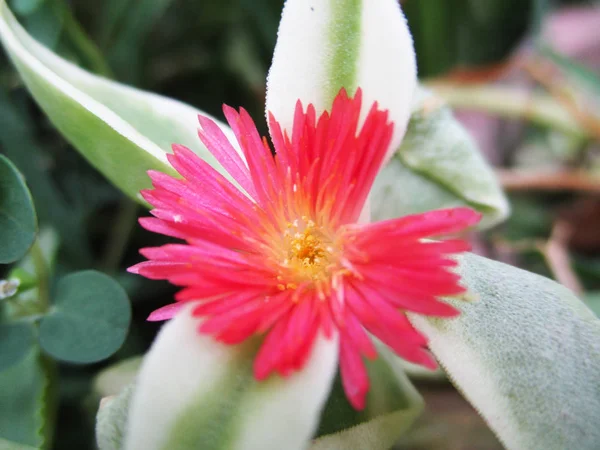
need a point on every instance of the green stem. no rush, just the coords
(42, 273)
(119, 235)
(17, 309)
(51, 399)
(512, 103)
(86, 47)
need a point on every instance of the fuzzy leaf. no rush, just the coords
(112, 380)
(111, 420)
(121, 131)
(326, 45)
(392, 406)
(526, 354)
(194, 392)
(437, 166)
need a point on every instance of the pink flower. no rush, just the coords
(287, 258)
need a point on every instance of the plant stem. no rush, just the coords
(569, 180)
(557, 257)
(511, 102)
(43, 276)
(86, 47)
(119, 235)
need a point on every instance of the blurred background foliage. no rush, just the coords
(493, 59)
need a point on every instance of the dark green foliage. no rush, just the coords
(16, 340)
(22, 401)
(465, 33)
(88, 320)
(17, 216)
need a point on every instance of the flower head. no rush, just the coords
(283, 255)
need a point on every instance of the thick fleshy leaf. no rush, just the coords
(122, 131)
(526, 354)
(89, 319)
(112, 380)
(16, 340)
(23, 401)
(437, 166)
(393, 404)
(17, 215)
(194, 392)
(324, 46)
(111, 420)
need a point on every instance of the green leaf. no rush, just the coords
(399, 191)
(194, 392)
(393, 404)
(45, 24)
(22, 401)
(526, 354)
(121, 131)
(437, 166)
(89, 320)
(16, 340)
(17, 138)
(17, 216)
(26, 7)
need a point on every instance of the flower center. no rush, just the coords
(308, 251)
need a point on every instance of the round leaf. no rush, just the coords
(15, 341)
(17, 216)
(26, 7)
(89, 320)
